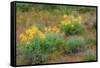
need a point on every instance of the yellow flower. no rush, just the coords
(34, 29)
(72, 26)
(65, 22)
(57, 29)
(54, 28)
(28, 31)
(42, 35)
(65, 15)
(46, 29)
(23, 37)
(71, 16)
(33, 33)
(78, 19)
(27, 43)
(30, 36)
(49, 29)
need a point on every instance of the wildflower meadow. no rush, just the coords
(55, 33)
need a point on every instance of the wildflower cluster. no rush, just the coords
(71, 24)
(70, 19)
(52, 28)
(29, 34)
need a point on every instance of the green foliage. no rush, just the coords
(89, 56)
(68, 29)
(74, 44)
(55, 9)
(35, 52)
(54, 40)
(40, 50)
(55, 43)
(23, 7)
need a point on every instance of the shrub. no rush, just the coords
(40, 49)
(74, 44)
(34, 52)
(71, 24)
(70, 29)
(89, 56)
(55, 43)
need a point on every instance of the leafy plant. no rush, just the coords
(35, 52)
(40, 50)
(74, 44)
(71, 24)
(55, 43)
(69, 29)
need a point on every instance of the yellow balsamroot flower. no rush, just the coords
(33, 33)
(49, 29)
(72, 26)
(65, 15)
(30, 36)
(57, 29)
(42, 35)
(34, 29)
(54, 28)
(28, 31)
(78, 19)
(65, 22)
(27, 43)
(23, 37)
(71, 17)
(45, 29)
